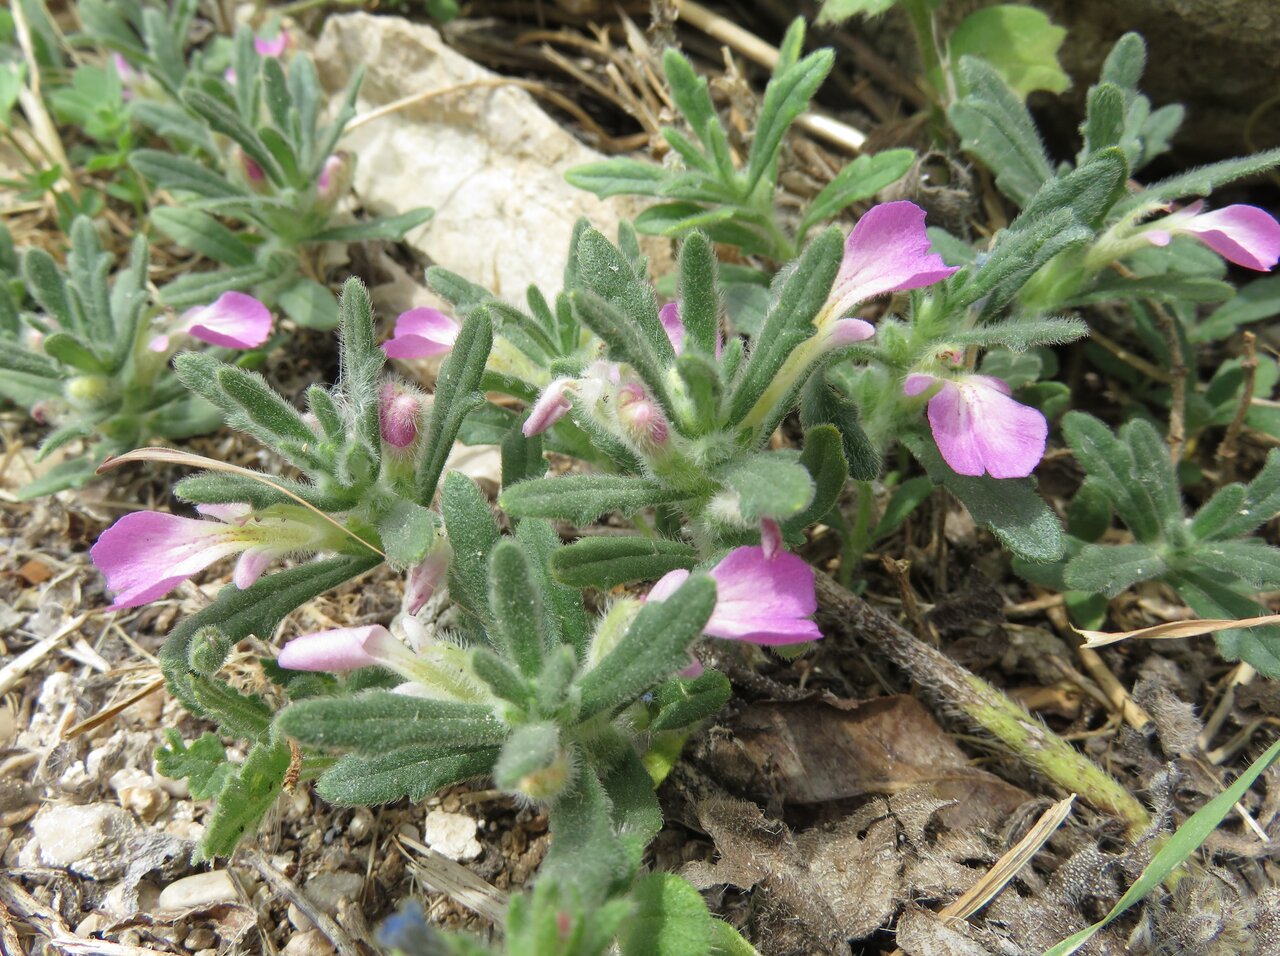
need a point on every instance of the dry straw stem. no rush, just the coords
(1007, 721)
(454, 880)
(14, 671)
(343, 943)
(1172, 630)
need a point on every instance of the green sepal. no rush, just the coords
(605, 562)
(473, 531)
(503, 679)
(683, 703)
(407, 531)
(1008, 507)
(770, 485)
(515, 608)
(413, 772)
(656, 645)
(378, 720)
(584, 498)
(529, 749)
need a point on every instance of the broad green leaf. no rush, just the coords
(1111, 568)
(770, 485)
(995, 126)
(1019, 42)
(203, 764)
(204, 234)
(310, 304)
(620, 176)
(1009, 507)
(838, 11)
(1259, 299)
(407, 530)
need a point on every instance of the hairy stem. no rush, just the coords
(986, 706)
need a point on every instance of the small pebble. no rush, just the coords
(360, 825)
(311, 943)
(202, 889)
(453, 835)
(139, 792)
(201, 938)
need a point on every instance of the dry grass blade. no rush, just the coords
(1007, 867)
(12, 672)
(454, 880)
(1173, 630)
(342, 942)
(171, 456)
(107, 713)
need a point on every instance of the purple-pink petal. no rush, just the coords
(250, 567)
(552, 405)
(887, 251)
(770, 537)
(673, 325)
(918, 382)
(145, 555)
(1245, 235)
(763, 600)
(234, 321)
(847, 332)
(421, 333)
(980, 429)
(342, 649)
(398, 413)
(271, 46)
(426, 577)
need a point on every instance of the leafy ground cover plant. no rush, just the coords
(89, 354)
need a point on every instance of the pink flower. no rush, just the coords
(342, 649)
(552, 405)
(847, 331)
(398, 414)
(234, 321)
(253, 173)
(673, 325)
(979, 428)
(145, 555)
(426, 577)
(888, 251)
(1245, 235)
(129, 77)
(271, 46)
(335, 177)
(421, 333)
(758, 599)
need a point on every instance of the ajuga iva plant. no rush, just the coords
(246, 144)
(88, 353)
(701, 188)
(1207, 557)
(369, 456)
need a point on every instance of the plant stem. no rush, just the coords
(921, 18)
(857, 537)
(986, 706)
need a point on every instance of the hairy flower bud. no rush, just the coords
(640, 415)
(398, 416)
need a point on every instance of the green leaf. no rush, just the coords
(1112, 568)
(265, 413)
(785, 98)
(803, 293)
(310, 304)
(516, 608)
(1205, 179)
(201, 288)
(203, 233)
(860, 179)
(1261, 503)
(204, 764)
(905, 499)
(655, 646)
(1209, 598)
(222, 119)
(171, 171)
(670, 919)
(1104, 120)
(584, 498)
(995, 127)
(1110, 287)
(245, 799)
(565, 621)
(1020, 43)
(457, 393)
(683, 703)
(699, 302)
(376, 721)
(838, 11)
(1009, 507)
(1020, 334)
(72, 473)
(413, 772)
(237, 714)
(770, 485)
(1253, 302)
(1175, 851)
(823, 458)
(1252, 563)
(382, 228)
(605, 562)
(689, 92)
(473, 532)
(70, 351)
(1110, 462)
(257, 609)
(531, 748)
(822, 404)
(48, 286)
(620, 176)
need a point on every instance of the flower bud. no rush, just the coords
(335, 177)
(88, 391)
(640, 415)
(254, 175)
(398, 416)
